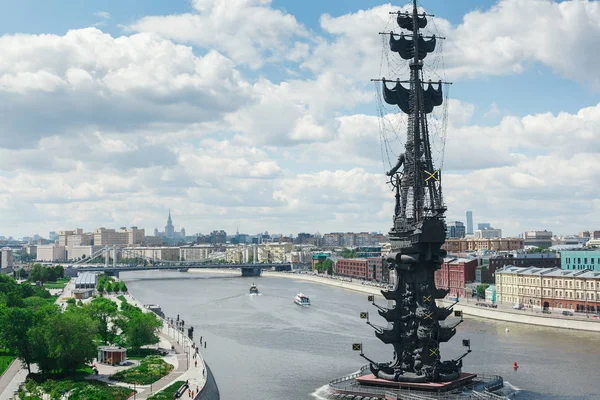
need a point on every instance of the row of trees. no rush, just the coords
(111, 287)
(325, 266)
(46, 274)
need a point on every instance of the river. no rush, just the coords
(267, 348)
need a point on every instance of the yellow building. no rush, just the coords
(273, 252)
(577, 290)
(496, 244)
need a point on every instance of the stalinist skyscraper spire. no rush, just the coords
(169, 228)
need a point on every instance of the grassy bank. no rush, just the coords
(59, 284)
(5, 359)
(167, 393)
(149, 371)
(77, 389)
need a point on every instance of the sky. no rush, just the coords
(260, 115)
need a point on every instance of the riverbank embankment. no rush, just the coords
(196, 373)
(499, 314)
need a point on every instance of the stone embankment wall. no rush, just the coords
(521, 317)
(209, 390)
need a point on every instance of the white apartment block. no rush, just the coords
(273, 252)
(488, 233)
(196, 253)
(122, 237)
(6, 258)
(77, 252)
(153, 253)
(51, 252)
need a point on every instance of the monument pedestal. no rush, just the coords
(371, 380)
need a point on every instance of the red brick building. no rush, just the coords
(352, 267)
(375, 272)
(455, 274)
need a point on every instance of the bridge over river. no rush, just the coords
(114, 270)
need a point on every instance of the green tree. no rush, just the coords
(348, 253)
(123, 287)
(52, 275)
(109, 287)
(15, 323)
(481, 290)
(141, 330)
(102, 310)
(60, 271)
(70, 337)
(38, 273)
(100, 288)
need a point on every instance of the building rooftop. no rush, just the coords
(555, 272)
(86, 278)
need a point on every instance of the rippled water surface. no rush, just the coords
(267, 348)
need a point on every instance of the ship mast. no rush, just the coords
(419, 230)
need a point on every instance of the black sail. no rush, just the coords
(405, 47)
(400, 96)
(405, 21)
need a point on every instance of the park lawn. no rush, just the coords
(5, 359)
(143, 353)
(150, 370)
(78, 389)
(167, 393)
(59, 284)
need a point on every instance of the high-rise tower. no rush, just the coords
(169, 228)
(469, 222)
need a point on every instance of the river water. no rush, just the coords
(267, 348)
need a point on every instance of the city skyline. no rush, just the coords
(271, 126)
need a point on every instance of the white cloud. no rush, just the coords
(249, 31)
(101, 130)
(506, 39)
(88, 80)
(102, 14)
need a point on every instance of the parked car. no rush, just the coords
(569, 313)
(518, 306)
(546, 311)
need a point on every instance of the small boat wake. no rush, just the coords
(321, 393)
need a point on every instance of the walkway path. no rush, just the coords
(186, 370)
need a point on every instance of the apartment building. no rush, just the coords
(153, 253)
(352, 267)
(497, 244)
(273, 252)
(580, 259)
(549, 288)
(122, 237)
(197, 252)
(454, 274)
(51, 252)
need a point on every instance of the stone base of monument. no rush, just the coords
(464, 379)
(364, 385)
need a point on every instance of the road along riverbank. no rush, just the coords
(516, 316)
